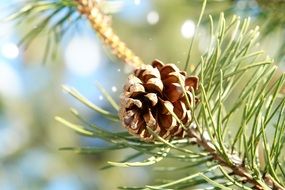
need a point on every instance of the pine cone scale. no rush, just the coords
(149, 119)
(130, 102)
(171, 78)
(180, 109)
(154, 85)
(191, 82)
(152, 97)
(174, 92)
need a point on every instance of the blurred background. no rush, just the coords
(31, 90)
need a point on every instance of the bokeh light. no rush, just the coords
(137, 2)
(82, 56)
(153, 17)
(10, 50)
(114, 89)
(188, 29)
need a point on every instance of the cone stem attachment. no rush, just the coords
(101, 24)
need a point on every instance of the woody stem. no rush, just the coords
(237, 169)
(100, 23)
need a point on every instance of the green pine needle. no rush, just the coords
(239, 120)
(240, 101)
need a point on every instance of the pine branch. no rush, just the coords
(239, 88)
(54, 18)
(234, 163)
(229, 62)
(209, 109)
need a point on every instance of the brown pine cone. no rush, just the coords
(149, 97)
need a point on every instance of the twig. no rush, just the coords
(100, 23)
(236, 164)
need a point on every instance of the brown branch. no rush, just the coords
(100, 23)
(235, 164)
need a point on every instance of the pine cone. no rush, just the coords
(149, 97)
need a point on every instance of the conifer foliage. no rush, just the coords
(225, 124)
